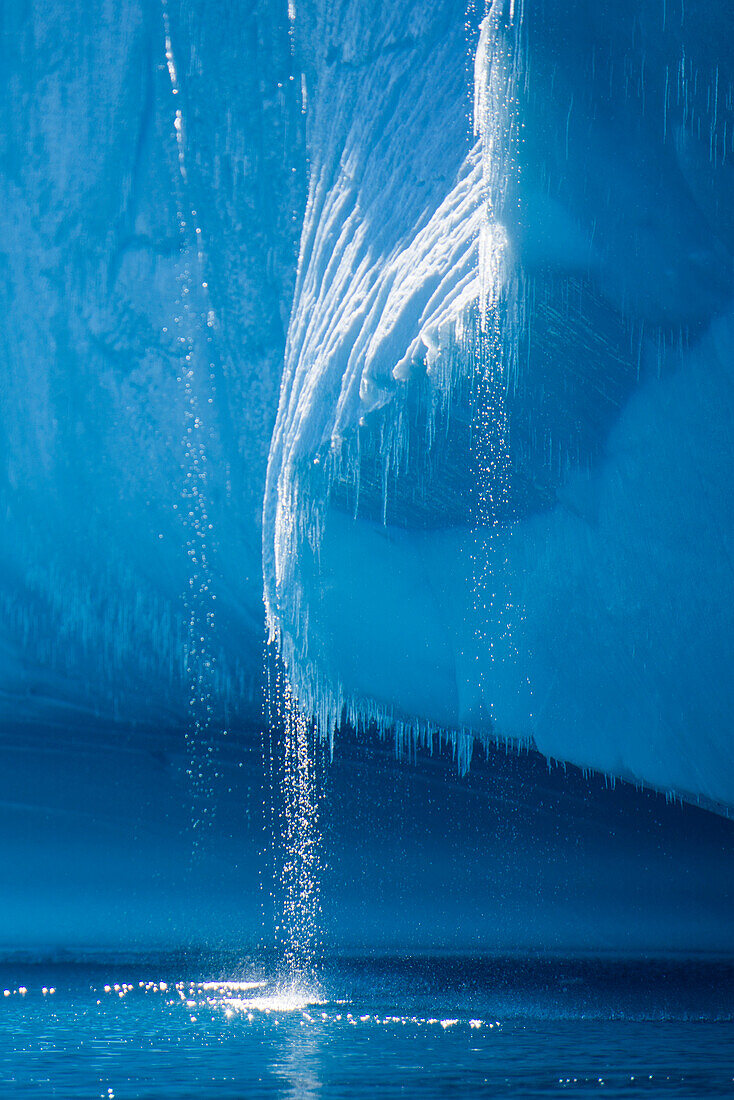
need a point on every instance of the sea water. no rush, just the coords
(388, 1026)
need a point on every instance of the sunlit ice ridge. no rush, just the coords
(498, 499)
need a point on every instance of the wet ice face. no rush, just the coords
(614, 231)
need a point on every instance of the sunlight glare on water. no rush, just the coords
(375, 1026)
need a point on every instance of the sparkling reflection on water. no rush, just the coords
(387, 1027)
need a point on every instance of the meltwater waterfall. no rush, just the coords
(294, 796)
(406, 326)
(193, 322)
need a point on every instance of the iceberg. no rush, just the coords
(419, 315)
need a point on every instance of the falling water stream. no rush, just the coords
(495, 125)
(193, 322)
(293, 763)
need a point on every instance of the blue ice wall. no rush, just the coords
(546, 188)
(499, 488)
(144, 300)
(498, 294)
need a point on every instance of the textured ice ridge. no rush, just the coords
(390, 277)
(515, 330)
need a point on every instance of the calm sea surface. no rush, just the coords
(374, 1027)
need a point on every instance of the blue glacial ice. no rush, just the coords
(142, 348)
(451, 291)
(558, 573)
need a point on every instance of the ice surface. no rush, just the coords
(537, 549)
(141, 343)
(497, 502)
